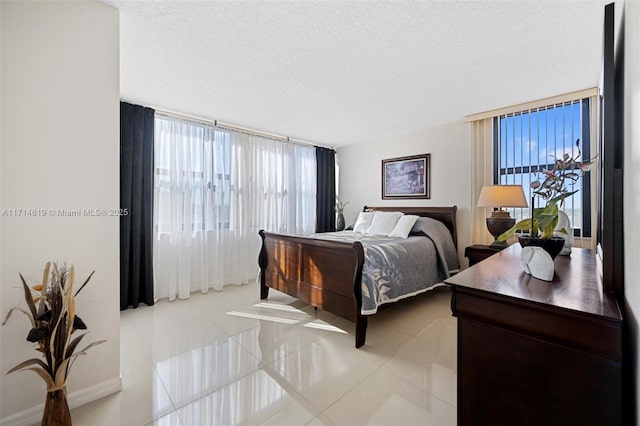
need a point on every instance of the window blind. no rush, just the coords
(528, 142)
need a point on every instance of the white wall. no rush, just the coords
(59, 150)
(632, 176)
(360, 180)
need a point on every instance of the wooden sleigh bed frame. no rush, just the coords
(328, 274)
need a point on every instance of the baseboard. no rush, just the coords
(32, 416)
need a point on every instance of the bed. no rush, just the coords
(326, 270)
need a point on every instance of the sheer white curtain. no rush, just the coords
(481, 175)
(282, 186)
(214, 190)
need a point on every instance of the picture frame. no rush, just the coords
(406, 178)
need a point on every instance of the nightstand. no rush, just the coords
(477, 253)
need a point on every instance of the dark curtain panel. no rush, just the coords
(326, 190)
(136, 196)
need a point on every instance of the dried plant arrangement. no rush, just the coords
(52, 311)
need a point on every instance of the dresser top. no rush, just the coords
(576, 284)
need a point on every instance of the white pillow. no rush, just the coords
(404, 225)
(383, 223)
(363, 222)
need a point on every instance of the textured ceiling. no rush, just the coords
(337, 73)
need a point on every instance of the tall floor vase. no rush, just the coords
(56, 409)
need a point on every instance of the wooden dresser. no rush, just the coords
(532, 352)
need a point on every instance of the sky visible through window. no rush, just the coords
(531, 140)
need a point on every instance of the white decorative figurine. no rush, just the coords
(563, 222)
(537, 263)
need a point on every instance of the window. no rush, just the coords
(192, 162)
(214, 189)
(208, 178)
(527, 142)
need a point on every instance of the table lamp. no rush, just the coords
(499, 196)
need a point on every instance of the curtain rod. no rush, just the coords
(233, 127)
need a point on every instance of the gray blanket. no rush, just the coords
(395, 268)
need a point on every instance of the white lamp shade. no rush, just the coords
(502, 196)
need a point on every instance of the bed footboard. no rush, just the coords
(324, 274)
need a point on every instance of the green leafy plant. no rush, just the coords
(52, 312)
(553, 190)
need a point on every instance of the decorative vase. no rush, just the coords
(537, 263)
(564, 222)
(552, 245)
(340, 222)
(56, 410)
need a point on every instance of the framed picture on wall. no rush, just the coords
(406, 177)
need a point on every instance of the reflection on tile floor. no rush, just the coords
(226, 358)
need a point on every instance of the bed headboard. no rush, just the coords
(446, 215)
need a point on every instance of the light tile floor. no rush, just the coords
(225, 358)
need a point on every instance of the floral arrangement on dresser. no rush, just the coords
(552, 190)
